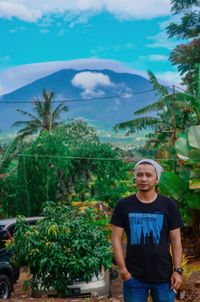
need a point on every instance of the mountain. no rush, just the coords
(92, 95)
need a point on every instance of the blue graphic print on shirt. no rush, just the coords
(144, 226)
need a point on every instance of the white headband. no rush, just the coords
(158, 168)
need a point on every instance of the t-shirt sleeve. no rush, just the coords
(175, 220)
(117, 218)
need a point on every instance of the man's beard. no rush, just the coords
(144, 189)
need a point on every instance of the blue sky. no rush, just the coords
(129, 31)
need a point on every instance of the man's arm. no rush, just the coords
(117, 236)
(175, 239)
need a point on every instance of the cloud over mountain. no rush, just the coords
(89, 82)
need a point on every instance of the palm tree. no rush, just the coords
(169, 106)
(45, 118)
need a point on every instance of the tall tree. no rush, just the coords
(46, 117)
(187, 56)
(169, 105)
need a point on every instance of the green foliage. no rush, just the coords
(8, 185)
(8, 179)
(188, 144)
(173, 185)
(184, 185)
(64, 246)
(189, 25)
(69, 164)
(174, 112)
(46, 117)
(187, 57)
(23, 206)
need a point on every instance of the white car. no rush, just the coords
(98, 287)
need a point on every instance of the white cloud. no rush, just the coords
(88, 94)
(44, 31)
(143, 9)
(155, 58)
(32, 10)
(9, 9)
(90, 82)
(102, 51)
(169, 77)
(161, 40)
(16, 77)
(16, 29)
(171, 19)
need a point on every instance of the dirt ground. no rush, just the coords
(189, 293)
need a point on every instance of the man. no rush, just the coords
(151, 222)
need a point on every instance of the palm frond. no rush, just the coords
(33, 124)
(20, 123)
(178, 96)
(38, 108)
(47, 101)
(156, 106)
(27, 114)
(58, 110)
(161, 90)
(45, 117)
(137, 124)
(29, 130)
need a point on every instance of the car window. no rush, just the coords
(3, 238)
(12, 229)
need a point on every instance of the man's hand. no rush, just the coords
(176, 280)
(125, 276)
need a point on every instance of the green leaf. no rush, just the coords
(194, 184)
(194, 154)
(193, 201)
(172, 185)
(194, 137)
(182, 148)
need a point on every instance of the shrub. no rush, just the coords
(63, 246)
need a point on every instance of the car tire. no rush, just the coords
(5, 287)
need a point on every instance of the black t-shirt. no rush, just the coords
(147, 227)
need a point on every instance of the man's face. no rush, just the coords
(146, 177)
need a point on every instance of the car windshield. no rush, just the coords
(3, 237)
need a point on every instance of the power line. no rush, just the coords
(70, 157)
(123, 95)
(185, 91)
(180, 88)
(96, 158)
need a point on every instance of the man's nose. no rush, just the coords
(144, 177)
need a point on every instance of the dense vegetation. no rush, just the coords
(64, 246)
(175, 128)
(67, 162)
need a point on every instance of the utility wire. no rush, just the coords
(180, 88)
(123, 95)
(185, 91)
(96, 158)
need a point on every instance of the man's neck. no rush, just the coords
(146, 197)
